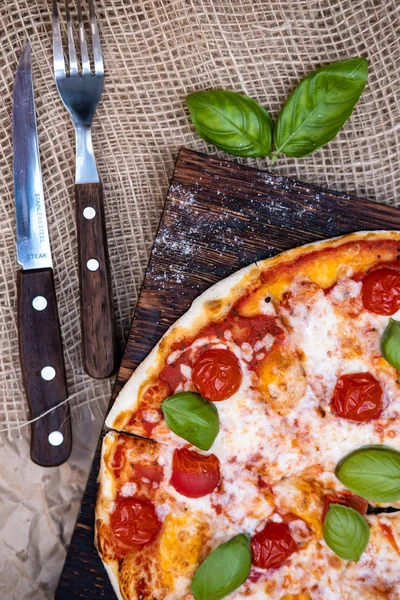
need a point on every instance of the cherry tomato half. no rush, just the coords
(272, 546)
(357, 397)
(193, 474)
(381, 291)
(216, 374)
(345, 499)
(134, 521)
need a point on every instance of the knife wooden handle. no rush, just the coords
(97, 318)
(43, 369)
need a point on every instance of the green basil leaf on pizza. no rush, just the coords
(231, 121)
(372, 472)
(390, 343)
(192, 417)
(346, 532)
(224, 570)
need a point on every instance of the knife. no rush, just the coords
(40, 346)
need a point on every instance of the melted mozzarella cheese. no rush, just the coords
(128, 489)
(243, 506)
(313, 330)
(345, 289)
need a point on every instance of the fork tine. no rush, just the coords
(58, 56)
(98, 57)
(73, 63)
(82, 38)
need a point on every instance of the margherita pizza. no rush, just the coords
(271, 467)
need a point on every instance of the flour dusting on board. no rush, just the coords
(225, 223)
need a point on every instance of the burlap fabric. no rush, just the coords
(155, 53)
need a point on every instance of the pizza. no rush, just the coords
(254, 452)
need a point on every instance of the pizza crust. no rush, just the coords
(105, 494)
(112, 572)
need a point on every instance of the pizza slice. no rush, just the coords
(165, 516)
(161, 510)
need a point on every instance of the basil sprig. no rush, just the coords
(372, 472)
(311, 117)
(224, 570)
(346, 532)
(390, 343)
(231, 121)
(319, 107)
(192, 417)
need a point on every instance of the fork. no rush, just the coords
(80, 91)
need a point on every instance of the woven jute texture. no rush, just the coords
(155, 53)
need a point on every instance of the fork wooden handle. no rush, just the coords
(97, 318)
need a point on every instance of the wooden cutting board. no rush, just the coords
(218, 217)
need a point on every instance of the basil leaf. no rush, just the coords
(231, 121)
(372, 472)
(319, 107)
(390, 343)
(346, 532)
(224, 570)
(192, 418)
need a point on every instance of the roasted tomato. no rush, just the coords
(357, 397)
(216, 374)
(272, 546)
(345, 499)
(193, 474)
(134, 521)
(381, 291)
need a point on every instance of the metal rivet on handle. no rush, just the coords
(48, 373)
(89, 212)
(39, 303)
(92, 264)
(55, 438)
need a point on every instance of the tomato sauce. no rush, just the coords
(243, 329)
(118, 458)
(139, 415)
(153, 472)
(387, 530)
(172, 374)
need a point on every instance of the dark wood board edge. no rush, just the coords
(84, 576)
